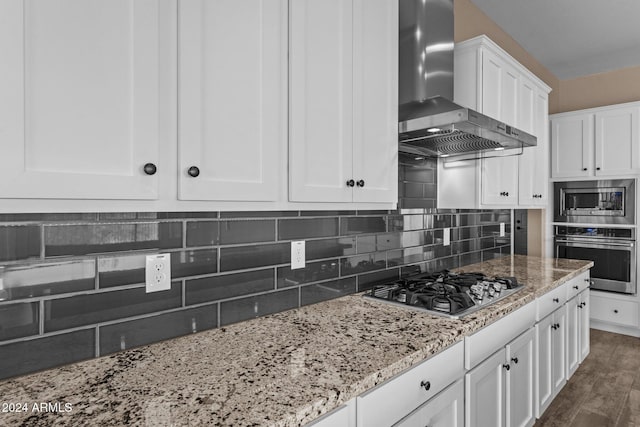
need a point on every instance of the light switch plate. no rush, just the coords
(446, 237)
(158, 272)
(298, 257)
(502, 229)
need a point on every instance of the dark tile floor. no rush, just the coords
(605, 390)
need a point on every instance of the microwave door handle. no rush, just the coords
(595, 244)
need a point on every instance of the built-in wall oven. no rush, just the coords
(612, 250)
(595, 202)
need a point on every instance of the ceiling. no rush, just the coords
(572, 38)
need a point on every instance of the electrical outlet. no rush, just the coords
(158, 272)
(446, 236)
(502, 229)
(297, 254)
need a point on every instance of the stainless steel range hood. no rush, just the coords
(430, 123)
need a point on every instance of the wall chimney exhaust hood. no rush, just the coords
(431, 124)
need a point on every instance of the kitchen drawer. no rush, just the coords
(343, 416)
(551, 301)
(444, 410)
(486, 341)
(577, 284)
(614, 311)
(392, 400)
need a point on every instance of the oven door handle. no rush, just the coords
(602, 245)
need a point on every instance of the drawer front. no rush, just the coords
(344, 416)
(444, 410)
(551, 301)
(486, 341)
(393, 400)
(614, 311)
(577, 285)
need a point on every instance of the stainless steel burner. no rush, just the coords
(446, 294)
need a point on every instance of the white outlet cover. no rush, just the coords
(446, 236)
(502, 229)
(298, 256)
(158, 272)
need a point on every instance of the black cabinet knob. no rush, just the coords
(150, 169)
(576, 288)
(351, 183)
(514, 360)
(360, 183)
(615, 311)
(557, 325)
(597, 168)
(507, 194)
(556, 300)
(425, 385)
(580, 305)
(584, 169)
(506, 366)
(193, 171)
(518, 228)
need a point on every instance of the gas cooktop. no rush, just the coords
(446, 293)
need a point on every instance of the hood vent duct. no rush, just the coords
(431, 124)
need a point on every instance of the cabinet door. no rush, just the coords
(544, 348)
(484, 389)
(573, 336)
(232, 98)
(533, 164)
(499, 89)
(321, 100)
(572, 146)
(375, 99)
(80, 105)
(520, 379)
(583, 327)
(444, 410)
(499, 180)
(558, 354)
(617, 141)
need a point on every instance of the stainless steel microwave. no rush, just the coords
(595, 202)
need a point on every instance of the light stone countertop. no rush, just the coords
(284, 369)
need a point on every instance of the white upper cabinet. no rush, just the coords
(232, 99)
(597, 142)
(81, 90)
(533, 164)
(343, 101)
(490, 81)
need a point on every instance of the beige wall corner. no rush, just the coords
(535, 233)
(597, 90)
(471, 22)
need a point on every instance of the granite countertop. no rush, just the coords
(284, 369)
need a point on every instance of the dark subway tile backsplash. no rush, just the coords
(307, 228)
(256, 306)
(228, 286)
(19, 242)
(202, 233)
(29, 281)
(250, 256)
(82, 239)
(247, 231)
(121, 336)
(19, 320)
(324, 291)
(88, 309)
(42, 353)
(227, 267)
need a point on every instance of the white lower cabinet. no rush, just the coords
(551, 352)
(578, 346)
(393, 400)
(499, 391)
(444, 410)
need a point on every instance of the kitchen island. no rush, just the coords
(284, 369)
